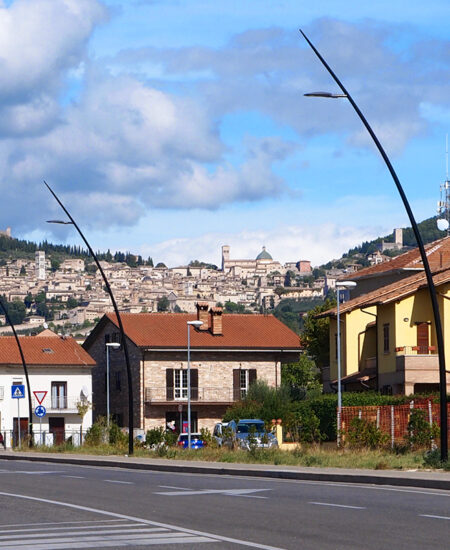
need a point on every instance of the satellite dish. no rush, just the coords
(45, 325)
(442, 224)
(85, 391)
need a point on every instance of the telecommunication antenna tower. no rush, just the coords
(443, 208)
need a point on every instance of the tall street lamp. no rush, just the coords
(340, 285)
(123, 338)
(195, 324)
(109, 345)
(426, 265)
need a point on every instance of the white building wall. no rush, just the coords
(41, 380)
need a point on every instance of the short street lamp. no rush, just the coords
(340, 285)
(190, 324)
(113, 345)
(426, 265)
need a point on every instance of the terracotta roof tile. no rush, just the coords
(45, 350)
(438, 253)
(169, 330)
(390, 293)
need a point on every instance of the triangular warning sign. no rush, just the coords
(18, 393)
(40, 396)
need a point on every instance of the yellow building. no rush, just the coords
(388, 339)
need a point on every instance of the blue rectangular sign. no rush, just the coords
(18, 391)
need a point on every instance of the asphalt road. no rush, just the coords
(49, 507)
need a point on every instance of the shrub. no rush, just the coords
(364, 434)
(420, 433)
(97, 433)
(155, 436)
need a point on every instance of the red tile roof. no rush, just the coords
(45, 350)
(169, 330)
(438, 254)
(390, 293)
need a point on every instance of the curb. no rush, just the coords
(345, 477)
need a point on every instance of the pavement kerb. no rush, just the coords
(421, 479)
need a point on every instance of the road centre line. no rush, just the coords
(172, 487)
(117, 481)
(338, 505)
(144, 521)
(434, 517)
(75, 477)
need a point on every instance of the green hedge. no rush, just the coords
(325, 406)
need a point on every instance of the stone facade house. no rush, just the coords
(228, 353)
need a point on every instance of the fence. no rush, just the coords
(44, 437)
(393, 419)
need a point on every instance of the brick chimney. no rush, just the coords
(216, 321)
(202, 315)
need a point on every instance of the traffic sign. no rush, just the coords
(40, 411)
(40, 396)
(18, 391)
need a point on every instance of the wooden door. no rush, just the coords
(56, 427)
(423, 338)
(23, 431)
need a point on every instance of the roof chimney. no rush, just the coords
(202, 315)
(216, 321)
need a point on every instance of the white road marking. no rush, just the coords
(229, 492)
(338, 505)
(171, 487)
(60, 523)
(75, 477)
(47, 529)
(188, 535)
(116, 481)
(30, 473)
(435, 517)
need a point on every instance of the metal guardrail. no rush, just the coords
(44, 437)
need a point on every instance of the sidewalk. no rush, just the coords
(416, 478)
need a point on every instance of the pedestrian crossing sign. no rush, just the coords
(18, 391)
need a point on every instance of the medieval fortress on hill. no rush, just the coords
(253, 284)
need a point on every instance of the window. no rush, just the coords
(107, 338)
(243, 382)
(59, 395)
(386, 338)
(2, 392)
(180, 383)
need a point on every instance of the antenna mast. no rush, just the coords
(443, 205)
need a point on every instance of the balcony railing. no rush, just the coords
(204, 394)
(59, 403)
(416, 350)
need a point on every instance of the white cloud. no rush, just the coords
(317, 243)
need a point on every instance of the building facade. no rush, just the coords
(228, 353)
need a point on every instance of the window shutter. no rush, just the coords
(251, 376)
(194, 383)
(236, 385)
(169, 384)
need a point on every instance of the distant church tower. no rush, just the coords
(40, 265)
(225, 255)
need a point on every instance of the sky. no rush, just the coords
(169, 128)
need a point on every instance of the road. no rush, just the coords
(50, 507)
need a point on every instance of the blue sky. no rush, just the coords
(172, 127)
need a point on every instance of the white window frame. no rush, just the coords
(180, 388)
(243, 382)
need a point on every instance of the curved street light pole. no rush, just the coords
(30, 412)
(119, 320)
(426, 265)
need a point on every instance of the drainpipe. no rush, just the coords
(376, 343)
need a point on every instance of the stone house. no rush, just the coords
(228, 353)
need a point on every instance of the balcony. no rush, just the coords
(203, 395)
(59, 404)
(416, 350)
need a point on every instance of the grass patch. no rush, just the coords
(312, 456)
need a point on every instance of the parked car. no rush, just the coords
(218, 432)
(196, 441)
(248, 432)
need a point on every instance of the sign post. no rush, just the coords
(18, 392)
(40, 411)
